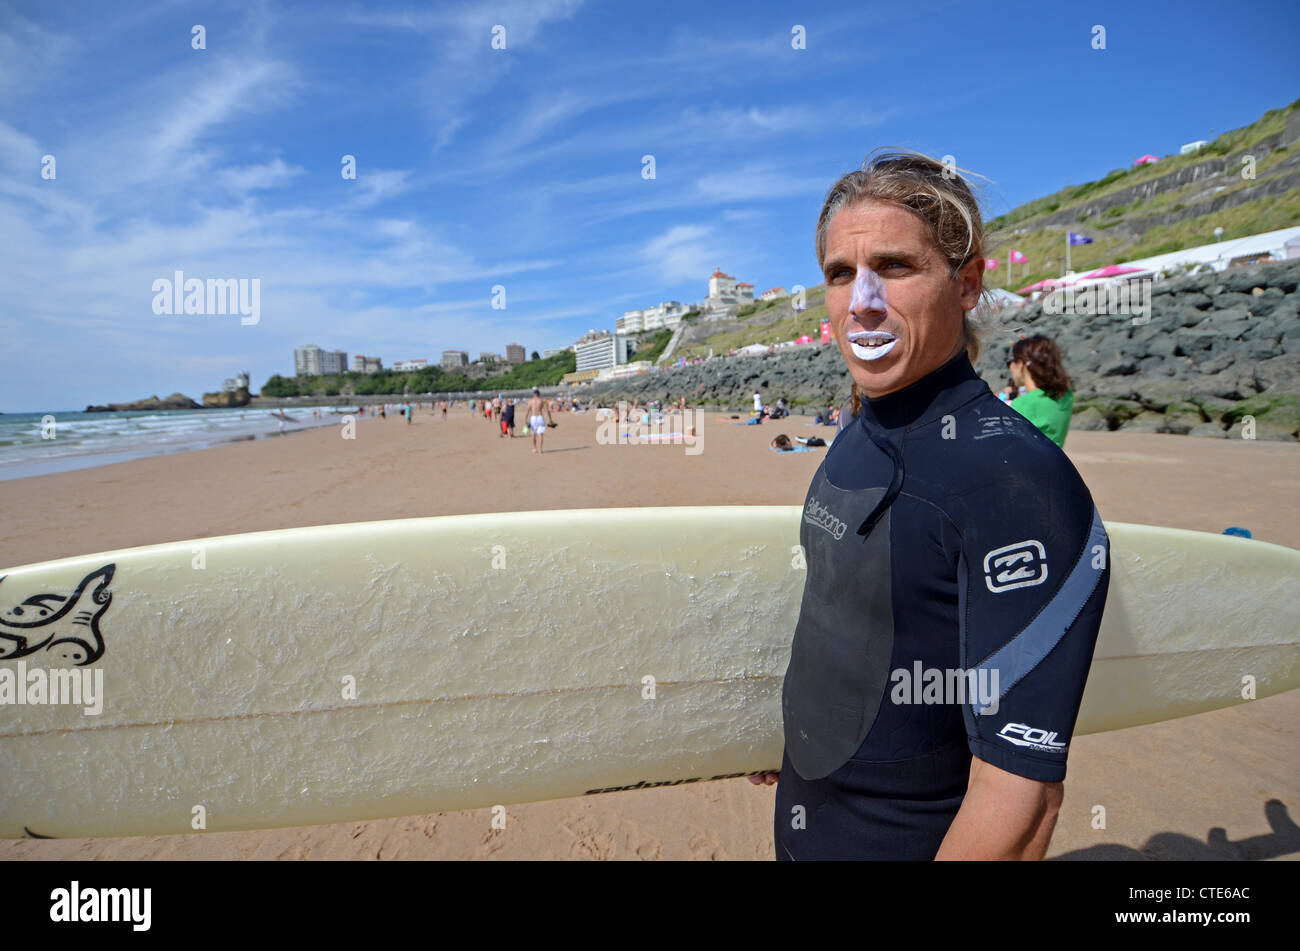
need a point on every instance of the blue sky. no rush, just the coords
(522, 167)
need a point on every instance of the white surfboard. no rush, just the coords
(394, 668)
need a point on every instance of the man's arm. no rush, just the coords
(1004, 816)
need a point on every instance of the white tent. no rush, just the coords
(1218, 255)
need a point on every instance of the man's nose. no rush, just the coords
(868, 294)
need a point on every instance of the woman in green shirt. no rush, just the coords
(1046, 399)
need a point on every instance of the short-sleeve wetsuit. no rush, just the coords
(948, 542)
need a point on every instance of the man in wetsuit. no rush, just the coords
(957, 567)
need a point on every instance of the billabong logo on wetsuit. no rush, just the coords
(1015, 566)
(817, 514)
(1022, 734)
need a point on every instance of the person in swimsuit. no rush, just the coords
(949, 544)
(536, 421)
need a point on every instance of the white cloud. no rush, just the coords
(683, 252)
(273, 174)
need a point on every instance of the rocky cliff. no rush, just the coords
(226, 400)
(1216, 348)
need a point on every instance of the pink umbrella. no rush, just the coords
(804, 339)
(1041, 285)
(1111, 270)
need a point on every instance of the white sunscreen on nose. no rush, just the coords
(868, 292)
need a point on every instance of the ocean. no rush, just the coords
(81, 440)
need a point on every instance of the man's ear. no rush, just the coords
(971, 277)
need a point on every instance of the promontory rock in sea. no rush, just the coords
(226, 399)
(175, 401)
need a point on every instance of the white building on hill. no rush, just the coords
(726, 296)
(664, 314)
(600, 351)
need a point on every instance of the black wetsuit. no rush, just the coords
(943, 532)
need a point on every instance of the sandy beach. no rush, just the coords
(1218, 785)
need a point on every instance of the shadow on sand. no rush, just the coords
(1170, 846)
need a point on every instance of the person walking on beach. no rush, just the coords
(508, 418)
(933, 539)
(536, 421)
(1045, 399)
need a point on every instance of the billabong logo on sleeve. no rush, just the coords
(1021, 734)
(1015, 566)
(817, 514)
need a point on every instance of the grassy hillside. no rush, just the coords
(1117, 231)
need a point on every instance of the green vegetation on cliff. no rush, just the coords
(1125, 231)
(543, 372)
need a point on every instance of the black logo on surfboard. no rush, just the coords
(66, 626)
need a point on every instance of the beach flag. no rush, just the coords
(1070, 241)
(1017, 257)
(826, 331)
(991, 264)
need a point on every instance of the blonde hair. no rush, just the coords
(931, 189)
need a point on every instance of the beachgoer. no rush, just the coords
(758, 403)
(782, 442)
(928, 532)
(508, 418)
(1046, 399)
(536, 421)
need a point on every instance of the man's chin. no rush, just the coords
(877, 377)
